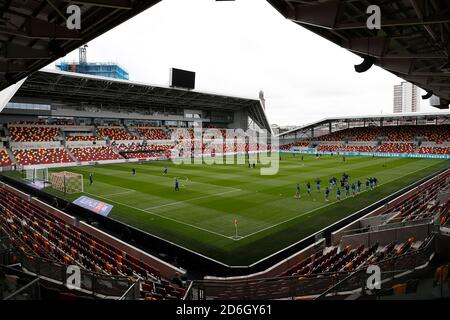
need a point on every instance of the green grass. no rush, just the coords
(201, 216)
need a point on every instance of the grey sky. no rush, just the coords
(240, 47)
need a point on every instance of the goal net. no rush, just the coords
(67, 182)
(36, 175)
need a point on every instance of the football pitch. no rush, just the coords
(233, 214)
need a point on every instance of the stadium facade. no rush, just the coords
(65, 94)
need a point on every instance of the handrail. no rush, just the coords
(22, 289)
(338, 284)
(188, 290)
(129, 289)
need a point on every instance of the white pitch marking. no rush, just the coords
(161, 216)
(119, 193)
(193, 199)
(303, 214)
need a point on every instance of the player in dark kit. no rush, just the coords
(318, 184)
(133, 171)
(308, 188)
(91, 179)
(298, 191)
(177, 185)
(327, 194)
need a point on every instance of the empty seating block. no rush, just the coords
(95, 154)
(138, 151)
(153, 133)
(4, 158)
(33, 134)
(50, 237)
(82, 138)
(42, 156)
(397, 148)
(434, 150)
(115, 134)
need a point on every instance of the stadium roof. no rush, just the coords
(413, 42)
(372, 118)
(33, 33)
(70, 87)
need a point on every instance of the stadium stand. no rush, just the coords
(422, 204)
(342, 148)
(180, 132)
(352, 134)
(438, 133)
(432, 133)
(403, 133)
(33, 134)
(425, 139)
(82, 138)
(115, 134)
(434, 150)
(334, 259)
(5, 160)
(52, 238)
(140, 151)
(153, 133)
(294, 145)
(94, 154)
(397, 148)
(42, 156)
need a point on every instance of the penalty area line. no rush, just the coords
(161, 216)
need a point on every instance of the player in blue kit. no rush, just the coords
(353, 189)
(318, 184)
(308, 188)
(359, 186)
(338, 193)
(177, 185)
(347, 190)
(298, 191)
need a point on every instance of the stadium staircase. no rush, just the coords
(132, 132)
(11, 156)
(70, 153)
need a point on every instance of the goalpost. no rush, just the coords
(67, 182)
(36, 175)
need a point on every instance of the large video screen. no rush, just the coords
(182, 79)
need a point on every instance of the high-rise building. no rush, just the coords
(101, 69)
(406, 98)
